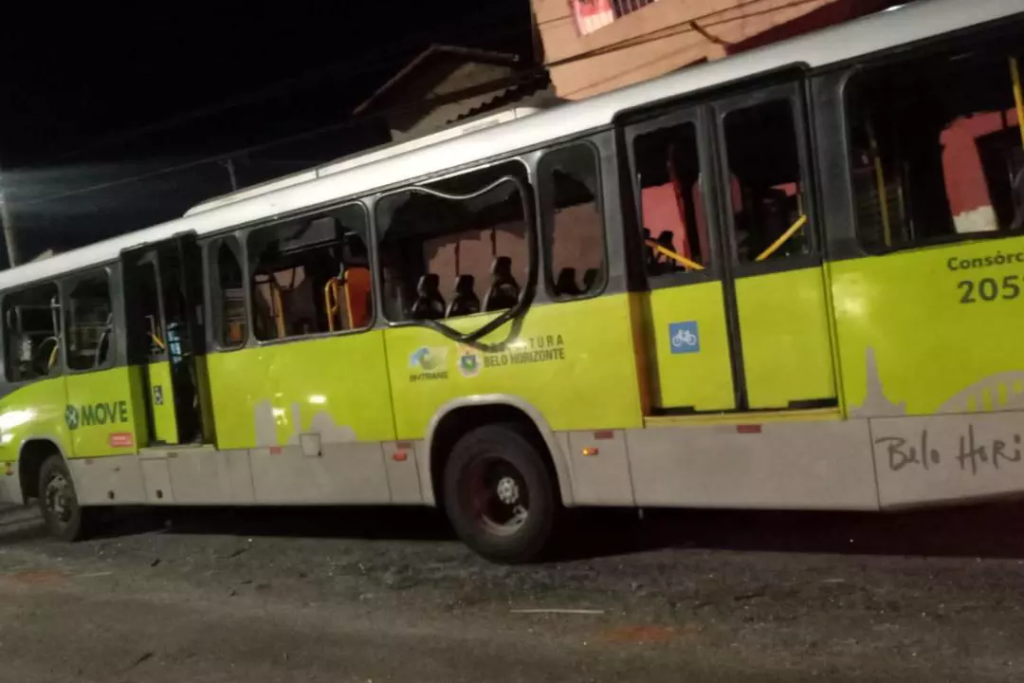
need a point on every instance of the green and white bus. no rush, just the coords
(790, 278)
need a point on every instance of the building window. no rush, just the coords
(935, 150)
(675, 231)
(573, 226)
(311, 276)
(89, 321)
(455, 247)
(767, 191)
(594, 14)
(32, 334)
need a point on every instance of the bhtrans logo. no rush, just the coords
(426, 363)
(94, 414)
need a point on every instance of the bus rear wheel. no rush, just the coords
(499, 494)
(58, 502)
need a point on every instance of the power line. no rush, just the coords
(494, 86)
(498, 85)
(374, 61)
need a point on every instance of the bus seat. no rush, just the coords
(666, 238)
(464, 301)
(504, 290)
(357, 297)
(565, 284)
(429, 304)
(590, 280)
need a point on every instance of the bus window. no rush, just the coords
(935, 150)
(299, 267)
(149, 300)
(456, 247)
(766, 186)
(573, 226)
(32, 334)
(675, 231)
(89, 323)
(229, 311)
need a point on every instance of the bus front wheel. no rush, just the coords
(499, 494)
(58, 502)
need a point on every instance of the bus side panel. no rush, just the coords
(784, 464)
(205, 398)
(312, 412)
(100, 413)
(918, 335)
(32, 411)
(787, 350)
(575, 362)
(256, 392)
(697, 375)
(161, 398)
(921, 335)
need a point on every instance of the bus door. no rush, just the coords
(166, 339)
(737, 315)
(777, 301)
(685, 311)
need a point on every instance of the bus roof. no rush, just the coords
(864, 36)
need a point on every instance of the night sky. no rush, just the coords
(94, 94)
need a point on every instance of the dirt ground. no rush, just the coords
(387, 595)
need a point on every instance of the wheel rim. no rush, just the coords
(499, 498)
(60, 499)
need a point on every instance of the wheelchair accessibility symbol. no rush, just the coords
(683, 337)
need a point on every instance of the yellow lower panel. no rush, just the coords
(575, 362)
(932, 330)
(695, 375)
(34, 411)
(100, 414)
(161, 400)
(336, 386)
(787, 352)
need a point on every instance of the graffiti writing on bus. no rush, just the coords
(973, 456)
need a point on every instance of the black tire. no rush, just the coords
(64, 517)
(489, 467)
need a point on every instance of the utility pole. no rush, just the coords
(13, 257)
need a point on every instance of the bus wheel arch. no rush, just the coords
(459, 417)
(32, 455)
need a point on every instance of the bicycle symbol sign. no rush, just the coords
(683, 337)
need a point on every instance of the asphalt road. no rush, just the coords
(386, 595)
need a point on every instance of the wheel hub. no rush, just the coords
(57, 498)
(508, 491)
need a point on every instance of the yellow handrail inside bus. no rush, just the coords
(331, 303)
(152, 333)
(782, 239)
(693, 265)
(883, 199)
(1017, 96)
(53, 355)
